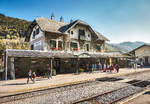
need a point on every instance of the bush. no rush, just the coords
(54, 72)
(81, 70)
(46, 74)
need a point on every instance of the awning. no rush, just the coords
(37, 53)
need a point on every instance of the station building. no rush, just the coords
(60, 46)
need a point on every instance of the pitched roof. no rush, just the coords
(139, 47)
(37, 53)
(101, 37)
(54, 26)
(50, 25)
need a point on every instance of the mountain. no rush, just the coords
(12, 28)
(126, 46)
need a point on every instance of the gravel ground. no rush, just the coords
(69, 94)
(118, 94)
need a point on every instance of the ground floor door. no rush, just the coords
(57, 65)
(146, 61)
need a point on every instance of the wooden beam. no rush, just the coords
(12, 68)
(6, 62)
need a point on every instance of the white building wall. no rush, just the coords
(38, 40)
(76, 33)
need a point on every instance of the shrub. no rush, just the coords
(54, 72)
(81, 70)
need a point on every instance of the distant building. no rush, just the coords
(142, 53)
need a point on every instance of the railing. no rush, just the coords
(82, 37)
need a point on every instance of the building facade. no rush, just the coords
(142, 54)
(63, 47)
(76, 37)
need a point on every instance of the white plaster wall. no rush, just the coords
(144, 51)
(38, 45)
(76, 32)
(38, 41)
(38, 35)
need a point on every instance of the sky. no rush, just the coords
(118, 20)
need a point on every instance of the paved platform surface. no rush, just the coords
(144, 98)
(20, 85)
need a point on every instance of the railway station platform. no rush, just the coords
(20, 85)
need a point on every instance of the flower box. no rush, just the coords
(59, 49)
(75, 49)
(53, 48)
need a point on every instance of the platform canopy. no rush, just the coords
(58, 54)
(37, 53)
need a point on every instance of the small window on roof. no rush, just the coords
(34, 35)
(71, 32)
(37, 30)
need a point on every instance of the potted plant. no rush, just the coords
(54, 48)
(54, 72)
(59, 48)
(75, 49)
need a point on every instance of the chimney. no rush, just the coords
(61, 19)
(52, 16)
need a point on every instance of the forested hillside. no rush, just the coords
(12, 28)
(125, 46)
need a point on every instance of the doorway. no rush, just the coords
(146, 61)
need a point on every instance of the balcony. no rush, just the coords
(82, 37)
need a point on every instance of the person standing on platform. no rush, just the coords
(111, 68)
(29, 76)
(105, 67)
(34, 77)
(93, 66)
(117, 68)
(100, 66)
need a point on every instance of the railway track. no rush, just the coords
(20, 96)
(115, 96)
(98, 99)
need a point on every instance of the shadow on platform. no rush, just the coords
(14, 84)
(148, 92)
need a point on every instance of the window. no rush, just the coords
(88, 35)
(74, 46)
(60, 45)
(81, 34)
(86, 47)
(53, 44)
(37, 31)
(32, 47)
(98, 48)
(72, 32)
(34, 35)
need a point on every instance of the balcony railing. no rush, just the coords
(82, 37)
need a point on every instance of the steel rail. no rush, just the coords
(109, 92)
